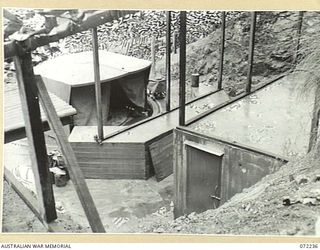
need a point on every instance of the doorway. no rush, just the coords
(204, 166)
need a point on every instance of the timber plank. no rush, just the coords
(107, 146)
(73, 166)
(162, 157)
(114, 172)
(31, 201)
(123, 176)
(13, 117)
(115, 162)
(107, 156)
(31, 113)
(24, 193)
(100, 173)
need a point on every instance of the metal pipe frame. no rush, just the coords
(222, 47)
(298, 36)
(96, 68)
(168, 61)
(182, 68)
(251, 50)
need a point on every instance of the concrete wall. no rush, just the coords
(241, 166)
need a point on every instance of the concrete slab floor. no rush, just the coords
(276, 119)
(120, 203)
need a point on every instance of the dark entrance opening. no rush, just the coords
(203, 178)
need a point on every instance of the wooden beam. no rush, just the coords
(24, 193)
(34, 130)
(222, 47)
(182, 66)
(71, 161)
(168, 60)
(30, 200)
(20, 133)
(251, 50)
(96, 67)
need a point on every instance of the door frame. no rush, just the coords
(211, 150)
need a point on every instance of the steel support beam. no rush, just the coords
(222, 47)
(168, 61)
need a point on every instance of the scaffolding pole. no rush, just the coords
(168, 61)
(223, 32)
(182, 68)
(97, 83)
(298, 36)
(251, 50)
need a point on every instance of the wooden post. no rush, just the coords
(182, 71)
(251, 50)
(34, 131)
(223, 32)
(153, 57)
(168, 61)
(96, 67)
(299, 36)
(70, 158)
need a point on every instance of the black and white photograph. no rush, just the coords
(180, 122)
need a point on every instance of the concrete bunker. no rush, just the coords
(238, 144)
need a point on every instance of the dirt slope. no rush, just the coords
(262, 209)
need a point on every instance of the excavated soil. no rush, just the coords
(286, 202)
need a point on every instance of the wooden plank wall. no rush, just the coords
(112, 160)
(161, 152)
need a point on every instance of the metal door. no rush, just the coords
(203, 178)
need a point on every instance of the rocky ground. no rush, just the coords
(284, 203)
